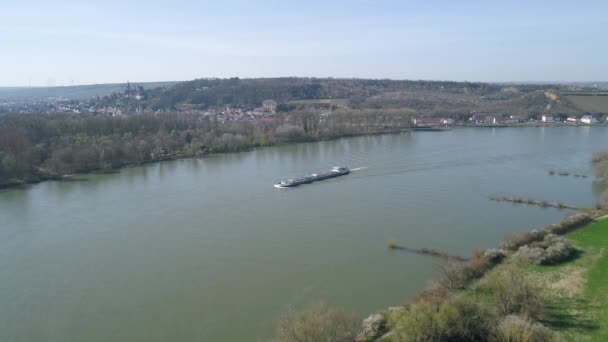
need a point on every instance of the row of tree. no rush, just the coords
(41, 146)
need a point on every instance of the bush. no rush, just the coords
(464, 320)
(435, 295)
(518, 329)
(418, 322)
(317, 324)
(477, 265)
(459, 319)
(599, 156)
(495, 255)
(552, 250)
(570, 223)
(523, 238)
(514, 294)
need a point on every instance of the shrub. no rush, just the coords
(418, 322)
(477, 265)
(518, 329)
(514, 294)
(553, 249)
(373, 327)
(435, 295)
(317, 324)
(570, 223)
(459, 319)
(495, 255)
(599, 156)
(523, 238)
(462, 319)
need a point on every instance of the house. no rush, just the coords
(481, 119)
(428, 121)
(504, 120)
(588, 119)
(572, 119)
(547, 118)
(515, 118)
(447, 121)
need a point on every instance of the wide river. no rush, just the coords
(207, 250)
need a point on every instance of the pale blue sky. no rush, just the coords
(115, 41)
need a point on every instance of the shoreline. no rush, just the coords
(377, 325)
(41, 177)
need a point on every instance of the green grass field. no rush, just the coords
(576, 292)
(594, 241)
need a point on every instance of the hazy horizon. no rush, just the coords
(70, 43)
(602, 82)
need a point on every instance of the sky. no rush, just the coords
(64, 42)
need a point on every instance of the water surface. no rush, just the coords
(207, 250)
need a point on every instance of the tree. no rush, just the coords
(514, 294)
(451, 275)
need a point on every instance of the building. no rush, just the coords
(588, 119)
(547, 118)
(430, 121)
(481, 119)
(572, 119)
(269, 105)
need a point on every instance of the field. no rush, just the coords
(337, 102)
(576, 292)
(592, 103)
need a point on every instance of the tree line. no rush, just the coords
(35, 147)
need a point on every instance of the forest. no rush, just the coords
(434, 98)
(36, 147)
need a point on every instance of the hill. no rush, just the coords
(74, 92)
(437, 98)
(590, 103)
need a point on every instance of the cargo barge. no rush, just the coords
(336, 171)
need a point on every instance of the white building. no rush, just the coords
(269, 105)
(588, 119)
(547, 118)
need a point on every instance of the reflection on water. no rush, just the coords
(206, 249)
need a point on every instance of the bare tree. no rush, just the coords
(514, 294)
(451, 275)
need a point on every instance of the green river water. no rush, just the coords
(207, 250)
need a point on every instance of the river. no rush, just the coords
(207, 250)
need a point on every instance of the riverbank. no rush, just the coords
(42, 175)
(563, 297)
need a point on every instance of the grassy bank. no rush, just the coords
(570, 298)
(577, 291)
